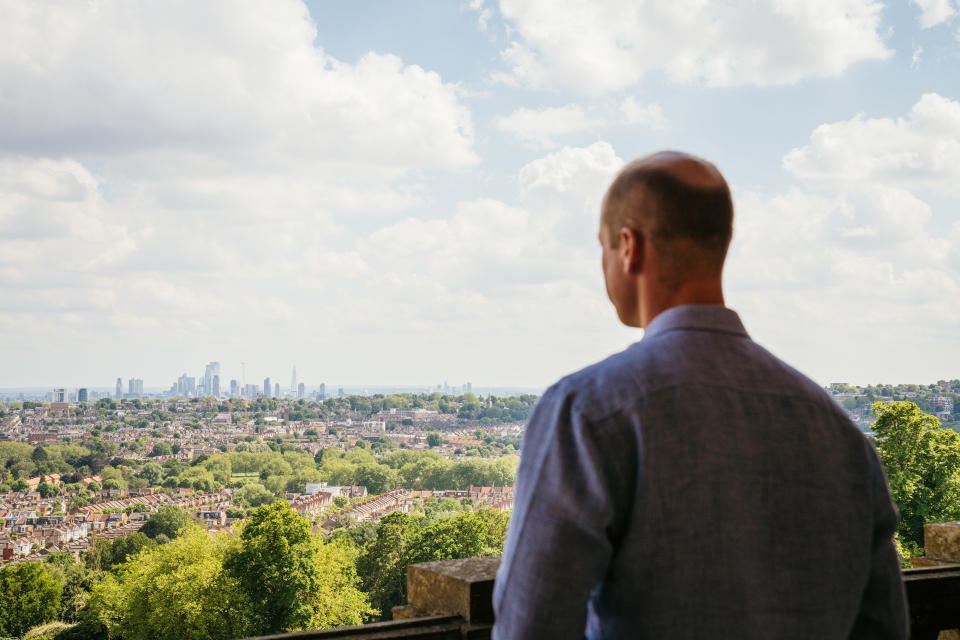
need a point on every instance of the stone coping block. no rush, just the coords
(942, 541)
(454, 587)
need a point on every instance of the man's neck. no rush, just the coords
(658, 300)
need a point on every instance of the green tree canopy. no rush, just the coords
(168, 520)
(47, 490)
(174, 591)
(922, 463)
(293, 581)
(29, 596)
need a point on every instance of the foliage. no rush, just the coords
(168, 520)
(292, 579)
(253, 495)
(47, 631)
(173, 591)
(125, 547)
(47, 490)
(29, 596)
(922, 463)
(402, 540)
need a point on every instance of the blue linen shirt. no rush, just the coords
(695, 486)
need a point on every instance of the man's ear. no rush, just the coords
(631, 250)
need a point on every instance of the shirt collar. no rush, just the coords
(702, 317)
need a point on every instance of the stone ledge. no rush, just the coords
(454, 587)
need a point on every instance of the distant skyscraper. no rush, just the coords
(301, 390)
(276, 390)
(216, 386)
(234, 388)
(119, 388)
(266, 387)
(468, 387)
(293, 380)
(322, 392)
(211, 370)
(340, 392)
(135, 387)
(59, 396)
(186, 385)
(82, 395)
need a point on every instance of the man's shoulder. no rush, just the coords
(602, 387)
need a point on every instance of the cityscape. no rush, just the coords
(283, 283)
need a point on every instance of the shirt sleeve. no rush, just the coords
(573, 490)
(883, 609)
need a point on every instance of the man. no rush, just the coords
(693, 486)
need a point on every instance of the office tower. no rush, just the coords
(119, 395)
(234, 390)
(82, 395)
(211, 370)
(323, 391)
(186, 385)
(135, 387)
(340, 392)
(293, 380)
(276, 390)
(266, 387)
(251, 391)
(301, 390)
(216, 386)
(469, 387)
(59, 396)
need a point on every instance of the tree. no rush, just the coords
(173, 591)
(294, 581)
(39, 455)
(29, 596)
(169, 520)
(464, 536)
(340, 502)
(126, 547)
(253, 495)
(434, 439)
(161, 449)
(112, 483)
(377, 478)
(20, 485)
(47, 490)
(382, 565)
(922, 463)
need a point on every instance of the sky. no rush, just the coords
(405, 193)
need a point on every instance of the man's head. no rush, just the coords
(666, 223)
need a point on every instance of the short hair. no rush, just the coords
(653, 199)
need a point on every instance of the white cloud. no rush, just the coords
(934, 12)
(917, 55)
(539, 127)
(235, 78)
(529, 274)
(859, 275)
(651, 115)
(186, 170)
(922, 149)
(603, 46)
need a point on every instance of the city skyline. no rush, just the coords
(304, 182)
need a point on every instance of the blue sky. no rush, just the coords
(406, 193)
